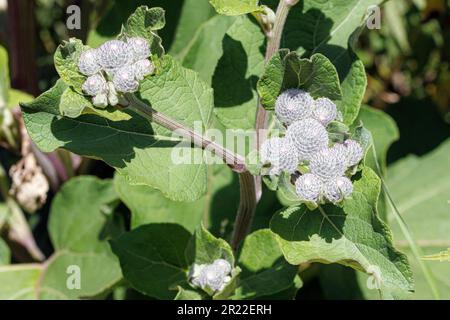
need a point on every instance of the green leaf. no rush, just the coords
(19, 281)
(139, 150)
(236, 74)
(287, 70)
(332, 28)
(98, 275)
(79, 214)
(235, 7)
(384, 132)
(148, 205)
(81, 222)
(5, 253)
(352, 235)
(15, 97)
(152, 258)
(204, 248)
(420, 187)
(265, 271)
(66, 63)
(188, 294)
(194, 15)
(145, 19)
(144, 22)
(72, 104)
(205, 49)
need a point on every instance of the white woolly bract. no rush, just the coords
(293, 105)
(100, 100)
(87, 64)
(124, 80)
(308, 137)
(213, 276)
(94, 85)
(114, 54)
(143, 68)
(337, 189)
(324, 111)
(281, 155)
(327, 165)
(308, 187)
(140, 48)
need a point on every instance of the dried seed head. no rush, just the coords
(324, 111)
(124, 80)
(281, 154)
(327, 165)
(94, 85)
(114, 54)
(308, 137)
(337, 189)
(139, 47)
(293, 105)
(355, 152)
(143, 68)
(308, 187)
(87, 64)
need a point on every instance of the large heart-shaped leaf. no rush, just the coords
(420, 188)
(352, 235)
(286, 70)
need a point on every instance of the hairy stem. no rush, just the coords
(235, 161)
(247, 203)
(246, 211)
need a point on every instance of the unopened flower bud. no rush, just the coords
(293, 105)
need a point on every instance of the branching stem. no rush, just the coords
(235, 161)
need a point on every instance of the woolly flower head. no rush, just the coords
(124, 80)
(139, 47)
(94, 85)
(355, 152)
(308, 137)
(213, 276)
(293, 105)
(324, 111)
(327, 165)
(87, 64)
(308, 187)
(281, 154)
(142, 68)
(114, 54)
(337, 189)
(350, 152)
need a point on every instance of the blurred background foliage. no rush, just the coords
(408, 69)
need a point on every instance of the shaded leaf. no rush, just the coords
(265, 272)
(152, 258)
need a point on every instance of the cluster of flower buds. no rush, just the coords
(211, 277)
(307, 143)
(115, 67)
